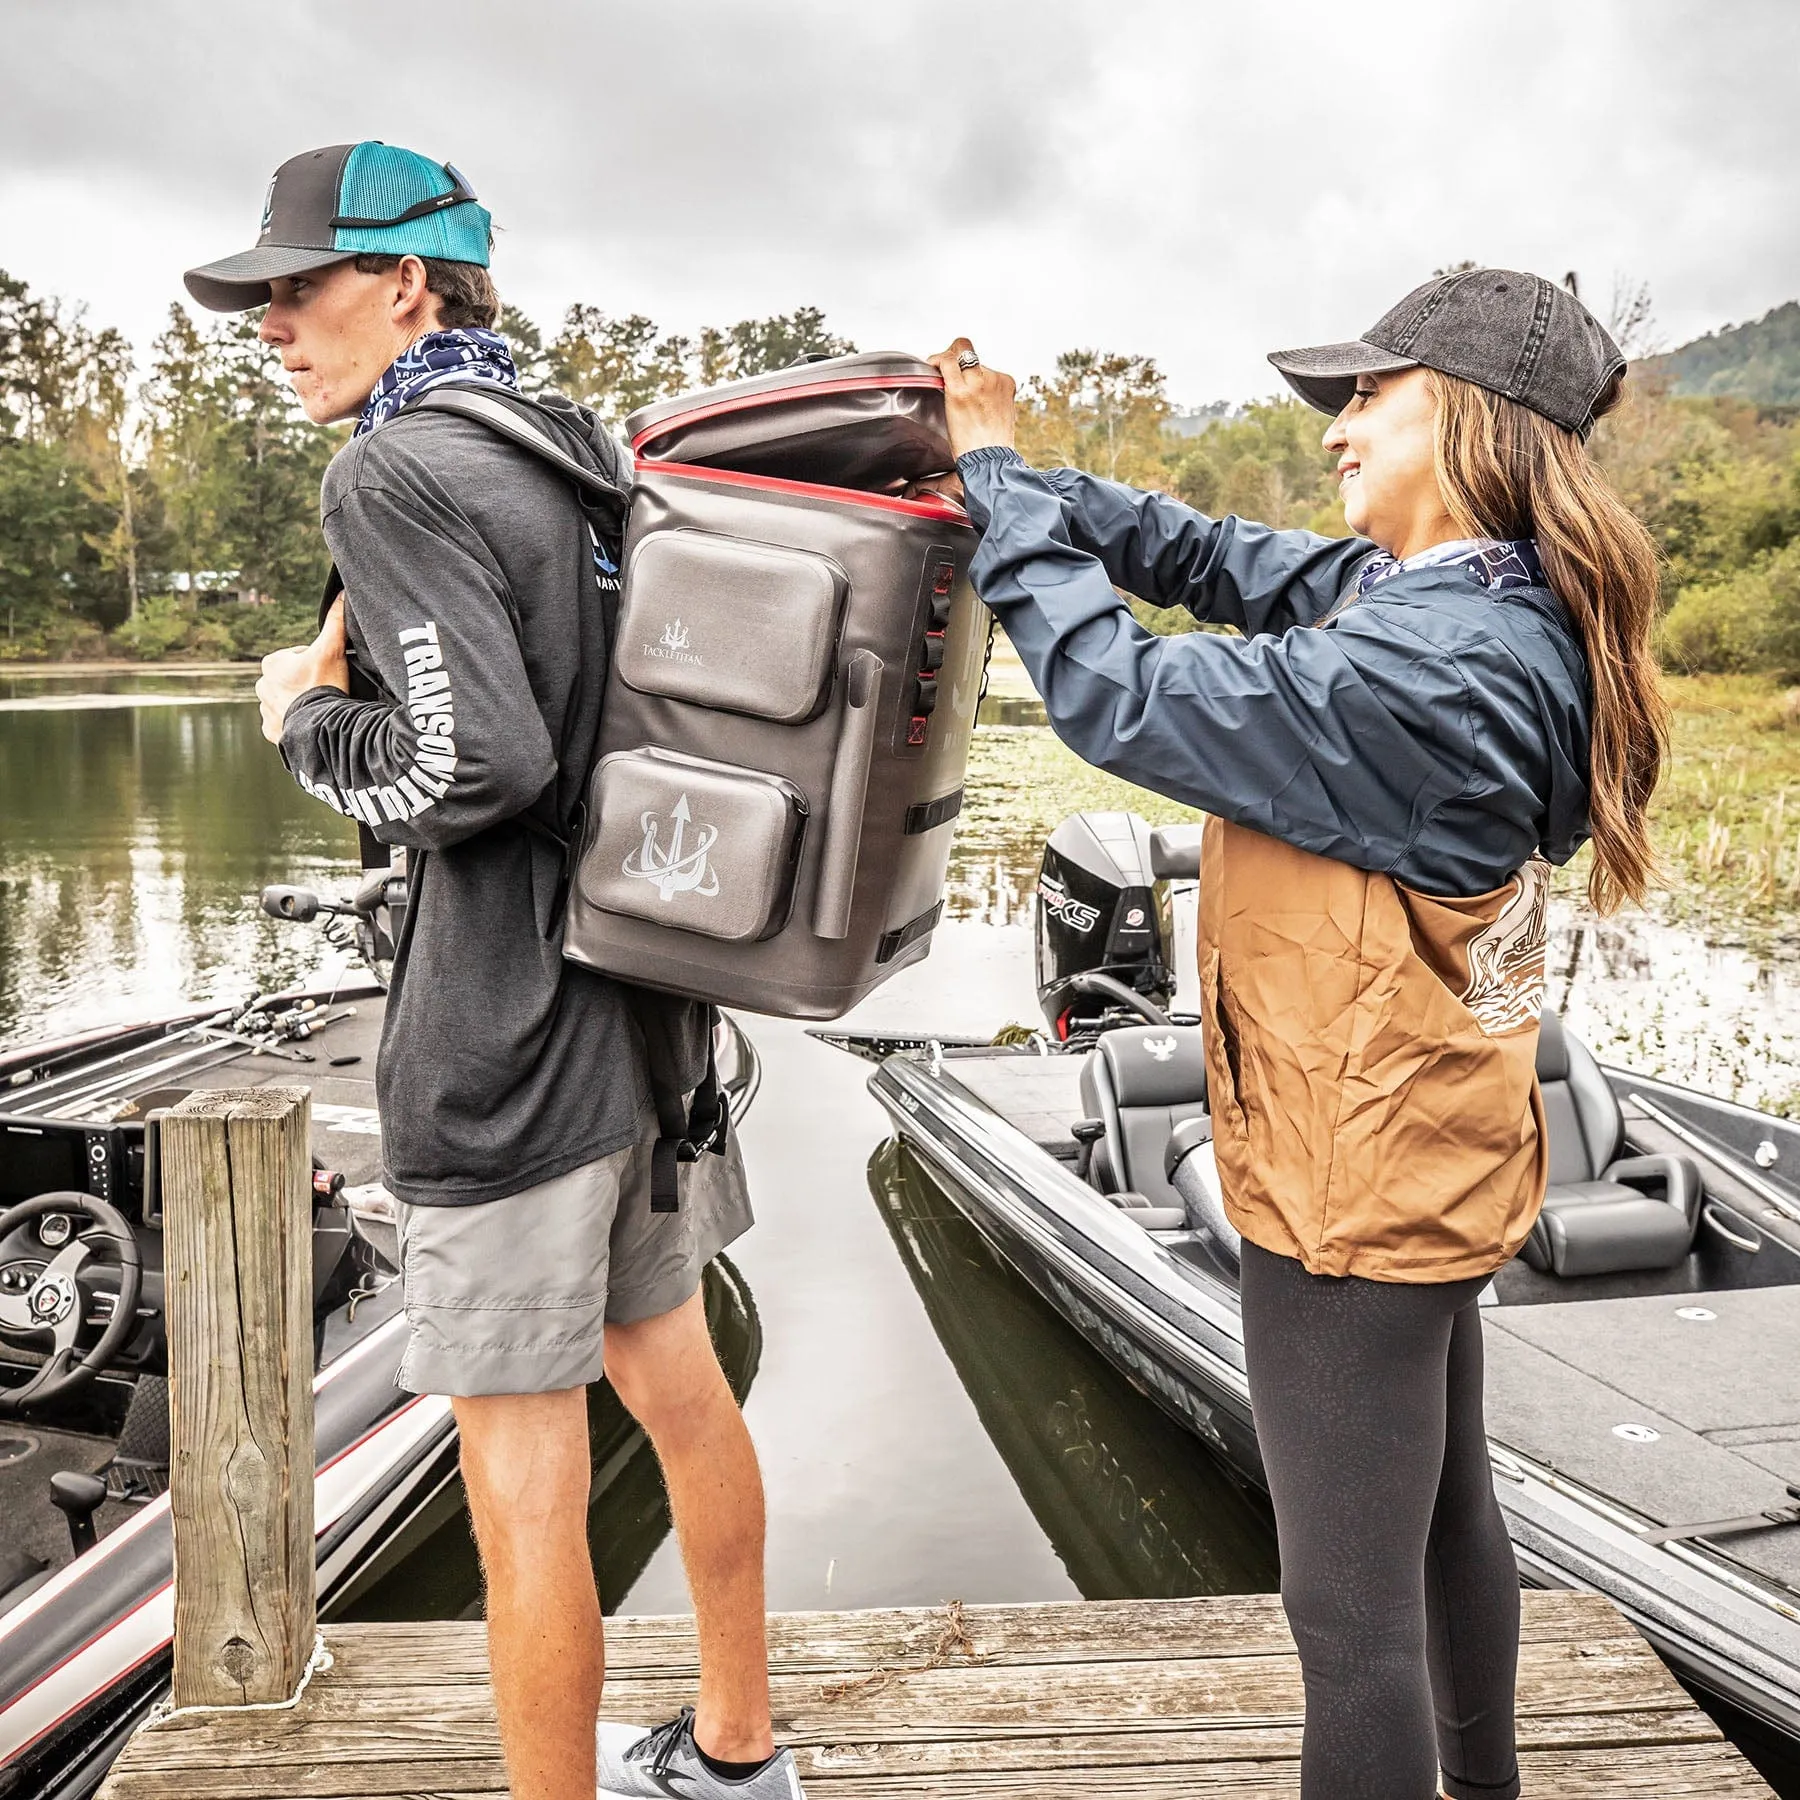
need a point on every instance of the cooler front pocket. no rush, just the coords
(737, 626)
(703, 846)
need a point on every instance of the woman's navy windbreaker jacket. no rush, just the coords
(1434, 730)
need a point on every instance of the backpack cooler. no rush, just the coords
(792, 688)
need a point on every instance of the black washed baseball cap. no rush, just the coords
(1516, 334)
(326, 206)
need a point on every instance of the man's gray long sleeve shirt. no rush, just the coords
(468, 577)
(1433, 730)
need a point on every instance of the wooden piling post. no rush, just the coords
(237, 1224)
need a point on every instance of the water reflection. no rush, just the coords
(1132, 1504)
(1662, 1000)
(434, 1573)
(136, 840)
(21, 688)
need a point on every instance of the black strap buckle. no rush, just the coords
(706, 1127)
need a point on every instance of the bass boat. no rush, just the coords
(1643, 1349)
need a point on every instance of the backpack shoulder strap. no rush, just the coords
(534, 428)
(525, 424)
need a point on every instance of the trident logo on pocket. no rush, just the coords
(675, 868)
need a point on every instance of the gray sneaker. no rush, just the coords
(664, 1764)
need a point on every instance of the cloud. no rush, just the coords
(1199, 182)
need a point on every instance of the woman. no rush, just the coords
(1412, 725)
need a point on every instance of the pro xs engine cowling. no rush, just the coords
(1104, 925)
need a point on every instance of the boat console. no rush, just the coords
(72, 1199)
(83, 1345)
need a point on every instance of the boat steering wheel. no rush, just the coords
(1107, 987)
(57, 1300)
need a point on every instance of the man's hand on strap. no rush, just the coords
(287, 674)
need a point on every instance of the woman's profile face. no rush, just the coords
(1387, 476)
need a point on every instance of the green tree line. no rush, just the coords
(173, 509)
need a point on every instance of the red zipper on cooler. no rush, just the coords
(936, 508)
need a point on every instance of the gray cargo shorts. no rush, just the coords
(513, 1296)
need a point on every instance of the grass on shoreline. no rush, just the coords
(1726, 820)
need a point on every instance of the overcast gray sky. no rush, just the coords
(1199, 181)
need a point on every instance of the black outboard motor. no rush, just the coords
(1104, 925)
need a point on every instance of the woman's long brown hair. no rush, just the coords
(1507, 472)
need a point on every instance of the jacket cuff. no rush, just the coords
(979, 469)
(988, 455)
(296, 727)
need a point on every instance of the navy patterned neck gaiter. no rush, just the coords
(1494, 563)
(465, 354)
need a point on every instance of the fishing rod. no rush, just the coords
(223, 1034)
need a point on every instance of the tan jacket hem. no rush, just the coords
(1266, 1233)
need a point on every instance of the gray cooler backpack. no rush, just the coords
(793, 683)
(677, 1030)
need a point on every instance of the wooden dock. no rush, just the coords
(1131, 1700)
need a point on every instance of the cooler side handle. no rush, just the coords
(844, 806)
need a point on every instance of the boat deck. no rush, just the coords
(1140, 1700)
(337, 1064)
(1706, 1387)
(1706, 1382)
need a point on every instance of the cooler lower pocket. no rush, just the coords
(731, 624)
(701, 846)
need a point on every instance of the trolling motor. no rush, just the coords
(369, 923)
(1104, 927)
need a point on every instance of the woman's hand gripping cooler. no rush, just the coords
(980, 403)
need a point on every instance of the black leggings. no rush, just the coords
(1396, 1571)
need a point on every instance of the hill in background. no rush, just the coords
(1758, 361)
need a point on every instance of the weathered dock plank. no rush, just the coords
(1097, 1631)
(1144, 1700)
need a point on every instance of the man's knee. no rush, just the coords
(525, 1464)
(665, 1370)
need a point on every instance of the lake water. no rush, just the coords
(928, 1431)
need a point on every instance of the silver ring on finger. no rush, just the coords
(967, 359)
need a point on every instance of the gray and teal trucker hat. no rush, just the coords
(325, 206)
(1519, 335)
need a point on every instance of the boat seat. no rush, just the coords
(1153, 1218)
(1602, 1215)
(1137, 1084)
(1193, 1171)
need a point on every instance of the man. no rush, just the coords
(517, 1119)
